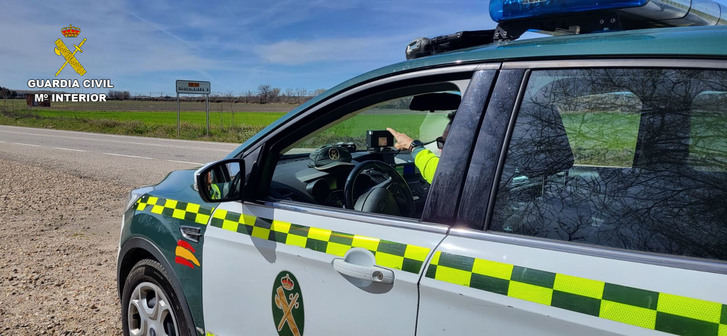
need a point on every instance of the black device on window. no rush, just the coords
(378, 139)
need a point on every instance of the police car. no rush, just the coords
(580, 189)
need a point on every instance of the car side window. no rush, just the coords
(626, 158)
(323, 166)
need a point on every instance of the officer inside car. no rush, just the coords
(424, 159)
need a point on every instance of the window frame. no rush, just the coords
(476, 223)
(265, 153)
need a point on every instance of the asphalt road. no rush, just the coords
(128, 160)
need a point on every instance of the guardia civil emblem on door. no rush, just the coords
(287, 305)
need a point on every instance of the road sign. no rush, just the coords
(193, 87)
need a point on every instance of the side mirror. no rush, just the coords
(221, 181)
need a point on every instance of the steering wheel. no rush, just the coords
(379, 197)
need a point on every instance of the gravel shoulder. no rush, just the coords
(59, 231)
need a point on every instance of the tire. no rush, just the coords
(149, 305)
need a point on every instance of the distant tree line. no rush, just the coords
(118, 95)
(268, 94)
(6, 93)
(265, 94)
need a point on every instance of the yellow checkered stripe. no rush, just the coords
(191, 212)
(647, 309)
(405, 257)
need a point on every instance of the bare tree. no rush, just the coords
(264, 92)
(300, 95)
(274, 93)
(119, 95)
(289, 95)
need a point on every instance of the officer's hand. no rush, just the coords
(403, 141)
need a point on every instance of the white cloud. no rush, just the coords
(290, 52)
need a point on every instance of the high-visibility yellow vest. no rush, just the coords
(215, 194)
(426, 162)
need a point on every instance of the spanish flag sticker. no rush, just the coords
(185, 254)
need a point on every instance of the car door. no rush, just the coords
(606, 213)
(289, 266)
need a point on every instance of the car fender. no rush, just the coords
(143, 246)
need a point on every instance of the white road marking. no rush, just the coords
(187, 162)
(25, 144)
(70, 149)
(100, 137)
(130, 156)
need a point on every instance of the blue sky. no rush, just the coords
(143, 46)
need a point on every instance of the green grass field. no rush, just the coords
(604, 138)
(609, 138)
(229, 122)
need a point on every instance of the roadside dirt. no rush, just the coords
(58, 241)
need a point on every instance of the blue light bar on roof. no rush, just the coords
(506, 10)
(666, 12)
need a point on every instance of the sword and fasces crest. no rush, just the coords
(70, 57)
(287, 305)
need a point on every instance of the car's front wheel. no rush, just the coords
(149, 304)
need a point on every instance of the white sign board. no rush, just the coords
(193, 87)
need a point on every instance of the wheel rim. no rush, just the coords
(150, 312)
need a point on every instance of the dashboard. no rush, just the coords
(297, 178)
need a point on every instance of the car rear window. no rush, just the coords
(627, 158)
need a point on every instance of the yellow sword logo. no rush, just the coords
(287, 307)
(62, 50)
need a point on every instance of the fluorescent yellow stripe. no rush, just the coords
(319, 234)
(389, 260)
(296, 240)
(365, 242)
(492, 268)
(722, 330)
(247, 219)
(261, 233)
(416, 252)
(170, 203)
(184, 253)
(192, 207)
(229, 225)
(529, 292)
(435, 258)
(179, 214)
(202, 219)
(689, 307)
(337, 249)
(157, 209)
(152, 200)
(619, 312)
(140, 206)
(220, 214)
(453, 275)
(579, 286)
(280, 226)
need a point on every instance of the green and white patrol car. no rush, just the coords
(579, 189)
